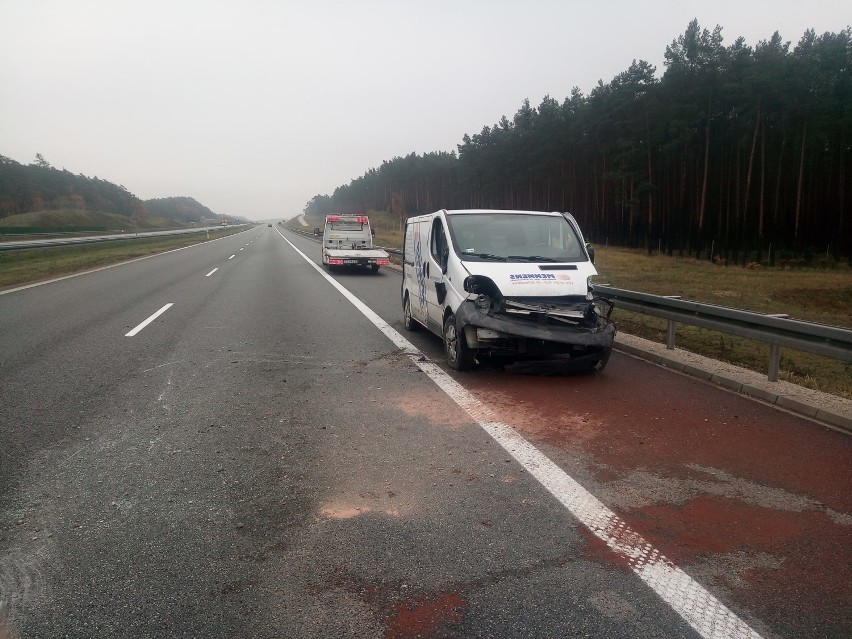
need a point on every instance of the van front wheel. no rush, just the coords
(459, 356)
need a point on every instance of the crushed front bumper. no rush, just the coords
(534, 329)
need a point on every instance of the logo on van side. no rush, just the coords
(532, 276)
(419, 270)
(538, 278)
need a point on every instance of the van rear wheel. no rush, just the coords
(459, 355)
(409, 322)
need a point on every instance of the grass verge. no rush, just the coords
(34, 265)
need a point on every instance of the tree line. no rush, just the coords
(735, 152)
(38, 186)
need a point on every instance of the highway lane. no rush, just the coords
(194, 480)
(66, 336)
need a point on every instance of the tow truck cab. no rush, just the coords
(347, 232)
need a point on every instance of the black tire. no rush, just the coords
(459, 355)
(408, 322)
(375, 268)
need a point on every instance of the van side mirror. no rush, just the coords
(591, 251)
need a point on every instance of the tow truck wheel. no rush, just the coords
(459, 356)
(375, 268)
(409, 322)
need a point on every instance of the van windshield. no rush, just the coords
(514, 237)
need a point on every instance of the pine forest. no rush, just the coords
(734, 153)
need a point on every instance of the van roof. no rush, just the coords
(475, 211)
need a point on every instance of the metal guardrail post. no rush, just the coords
(670, 328)
(773, 368)
(774, 362)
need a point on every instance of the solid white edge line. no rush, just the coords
(694, 603)
(149, 320)
(211, 272)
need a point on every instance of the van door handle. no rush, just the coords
(427, 270)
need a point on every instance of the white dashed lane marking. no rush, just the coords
(149, 320)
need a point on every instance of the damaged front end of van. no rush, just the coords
(497, 326)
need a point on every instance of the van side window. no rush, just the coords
(438, 243)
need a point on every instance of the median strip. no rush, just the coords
(149, 320)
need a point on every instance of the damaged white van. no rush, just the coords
(505, 286)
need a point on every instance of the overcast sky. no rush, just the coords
(252, 107)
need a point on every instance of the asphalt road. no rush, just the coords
(261, 460)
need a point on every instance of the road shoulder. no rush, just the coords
(831, 410)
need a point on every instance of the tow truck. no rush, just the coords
(347, 241)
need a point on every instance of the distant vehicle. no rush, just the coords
(224, 222)
(317, 231)
(505, 286)
(269, 225)
(348, 241)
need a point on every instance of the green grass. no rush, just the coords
(69, 218)
(33, 265)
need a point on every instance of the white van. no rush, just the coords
(505, 285)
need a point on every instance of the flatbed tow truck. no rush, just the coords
(347, 241)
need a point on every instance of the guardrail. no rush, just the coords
(69, 239)
(776, 330)
(395, 255)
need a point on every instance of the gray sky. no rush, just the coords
(252, 107)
